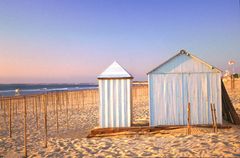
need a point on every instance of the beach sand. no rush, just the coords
(72, 142)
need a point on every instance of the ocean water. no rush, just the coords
(28, 89)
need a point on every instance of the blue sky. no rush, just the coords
(73, 40)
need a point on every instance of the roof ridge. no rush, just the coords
(184, 52)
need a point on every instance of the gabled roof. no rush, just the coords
(114, 71)
(184, 52)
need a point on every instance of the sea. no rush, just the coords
(29, 89)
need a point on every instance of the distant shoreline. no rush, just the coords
(28, 89)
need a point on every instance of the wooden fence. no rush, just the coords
(52, 103)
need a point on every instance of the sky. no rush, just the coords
(73, 41)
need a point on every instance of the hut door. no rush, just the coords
(195, 89)
(172, 111)
(191, 87)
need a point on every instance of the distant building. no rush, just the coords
(115, 97)
(180, 80)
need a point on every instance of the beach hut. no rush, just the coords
(115, 97)
(184, 79)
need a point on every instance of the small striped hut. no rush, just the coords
(115, 97)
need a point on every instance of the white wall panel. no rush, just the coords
(170, 94)
(115, 102)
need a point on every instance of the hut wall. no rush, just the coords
(178, 82)
(115, 102)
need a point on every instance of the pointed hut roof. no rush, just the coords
(114, 71)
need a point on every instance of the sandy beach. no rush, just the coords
(72, 142)
(119, 78)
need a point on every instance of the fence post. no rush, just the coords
(77, 98)
(40, 106)
(53, 101)
(10, 117)
(189, 119)
(57, 104)
(1, 102)
(72, 95)
(45, 118)
(4, 108)
(15, 107)
(213, 122)
(60, 100)
(83, 98)
(95, 96)
(92, 96)
(17, 104)
(25, 127)
(33, 109)
(215, 117)
(12, 104)
(67, 102)
(36, 105)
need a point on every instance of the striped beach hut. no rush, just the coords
(115, 97)
(184, 79)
